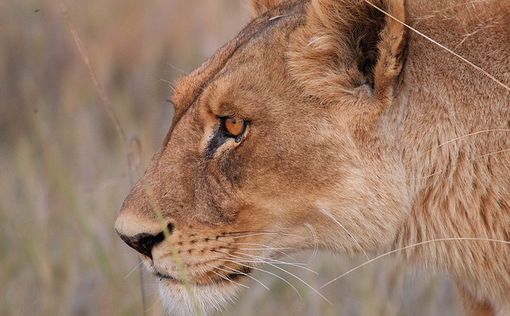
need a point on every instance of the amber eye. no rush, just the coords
(235, 126)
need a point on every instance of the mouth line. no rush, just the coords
(242, 273)
(167, 277)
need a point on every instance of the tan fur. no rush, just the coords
(354, 120)
(261, 6)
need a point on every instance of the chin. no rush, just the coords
(208, 299)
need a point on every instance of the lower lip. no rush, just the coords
(232, 277)
(166, 277)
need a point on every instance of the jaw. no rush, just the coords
(180, 299)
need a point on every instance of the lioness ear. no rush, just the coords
(261, 6)
(350, 47)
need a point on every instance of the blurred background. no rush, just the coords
(64, 171)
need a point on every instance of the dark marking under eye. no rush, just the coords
(220, 137)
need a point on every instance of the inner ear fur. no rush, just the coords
(350, 48)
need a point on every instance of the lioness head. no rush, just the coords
(273, 138)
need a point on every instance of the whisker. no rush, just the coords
(455, 164)
(456, 6)
(169, 83)
(251, 235)
(251, 231)
(170, 102)
(270, 273)
(245, 274)
(268, 248)
(140, 262)
(244, 232)
(328, 214)
(302, 265)
(265, 247)
(177, 68)
(259, 233)
(264, 231)
(302, 281)
(267, 259)
(227, 279)
(503, 130)
(413, 246)
(261, 259)
(278, 17)
(473, 65)
(244, 259)
(315, 240)
(262, 245)
(286, 255)
(495, 153)
(148, 310)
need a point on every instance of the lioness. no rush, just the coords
(382, 124)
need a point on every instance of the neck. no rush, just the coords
(453, 125)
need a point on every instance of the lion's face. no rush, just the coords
(255, 162)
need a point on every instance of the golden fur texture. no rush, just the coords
(356, 126)
(261, 6)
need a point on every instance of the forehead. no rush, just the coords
(253, 43)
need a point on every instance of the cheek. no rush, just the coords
(299, 169)
(233, 167)
(282, 166)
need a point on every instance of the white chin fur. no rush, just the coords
(203, 300)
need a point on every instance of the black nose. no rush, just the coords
(143, 242)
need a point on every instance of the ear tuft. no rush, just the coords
(261, 6)
(350, 47)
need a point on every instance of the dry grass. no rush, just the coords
(64, 172)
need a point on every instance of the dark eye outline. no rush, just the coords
(221, 135)
(224, 129)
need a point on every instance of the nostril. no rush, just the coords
(143, 243)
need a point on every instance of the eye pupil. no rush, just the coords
(234, 126)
